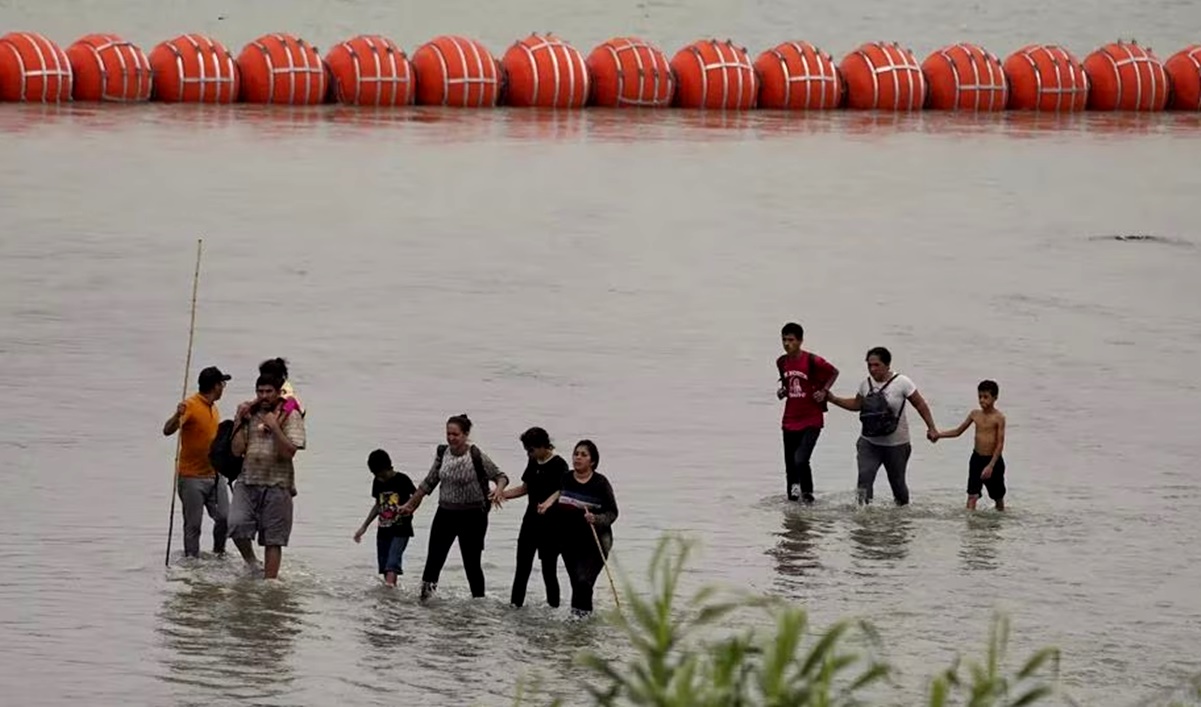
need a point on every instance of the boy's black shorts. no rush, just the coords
(995, 483)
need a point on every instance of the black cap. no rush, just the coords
(211, 376)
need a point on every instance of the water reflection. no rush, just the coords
(881, 533)
(795, 551)
(978, 543)
(232, 641)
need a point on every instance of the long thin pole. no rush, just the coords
(187, 373)
(604, 559)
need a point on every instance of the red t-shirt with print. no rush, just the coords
(801, 376)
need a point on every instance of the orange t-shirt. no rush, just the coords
(197, 430)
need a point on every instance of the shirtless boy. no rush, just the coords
(987, 467)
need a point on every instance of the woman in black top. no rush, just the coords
(588, 510)
(542, 479)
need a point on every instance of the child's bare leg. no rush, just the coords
(272, 557)
(246, 547)
(390, 579)
(971, 502)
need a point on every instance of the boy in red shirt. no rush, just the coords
(805, 379)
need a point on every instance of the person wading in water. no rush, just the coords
(200, 488)
(262, 496)
(463, 504)
(805, 380)
(542, 479)
(589, 511)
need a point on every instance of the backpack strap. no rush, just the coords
(477, 460)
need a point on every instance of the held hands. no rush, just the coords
(497, 497)
(819, 396)
(933, 435)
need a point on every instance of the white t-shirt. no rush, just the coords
(896, 393)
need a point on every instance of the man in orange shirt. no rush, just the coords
(199, 487)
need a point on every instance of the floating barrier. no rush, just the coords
(714, 75)
(965, 77)
(545, 71)
(33, 69)
(456, 71)
(798, 76)
(282, 69)
(1126, 77)
(1184, 72)
(883, 76)
(193, 68)
(628, 72)
(105, 67)
(1046, 78)
(369, 70)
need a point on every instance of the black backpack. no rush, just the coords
(875, 415)
(221, 452)
(481, 474)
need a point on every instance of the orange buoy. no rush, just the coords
(456, 71)
(108, 68)
(1046, 77)
(1125, 76)
(626, 71)
(193, 68)
(798, 76)
(1184, 68)
(281, 69)
(965, 77)
(33, 69)
(543, 71)
(714, 75)
(369, 70)
(883, 76)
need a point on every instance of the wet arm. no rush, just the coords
(494, 473)
(607, 514)
(370, 517)
(852, 404)
(951, 434)
(172, 424)
(425, 488)
(919, 404)
(996, 452)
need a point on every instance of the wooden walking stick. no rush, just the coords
(187, 371)
(604, 559)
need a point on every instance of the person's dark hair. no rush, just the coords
(268, 379)
(990, 387)
(795, 329)
(535, 438)
(379, 461)
(881, 353)
(593, 452)
(460, 421)
(274, 367)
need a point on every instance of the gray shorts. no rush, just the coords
(262, 510)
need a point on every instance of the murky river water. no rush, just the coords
(620, 277)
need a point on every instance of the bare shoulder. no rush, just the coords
(992, 418)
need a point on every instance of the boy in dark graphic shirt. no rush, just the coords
(391, 489)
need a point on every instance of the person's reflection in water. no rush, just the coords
(978, 548)
(231, 641)
(795, 551)
(881, 534)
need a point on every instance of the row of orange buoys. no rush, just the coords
(545, 71)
